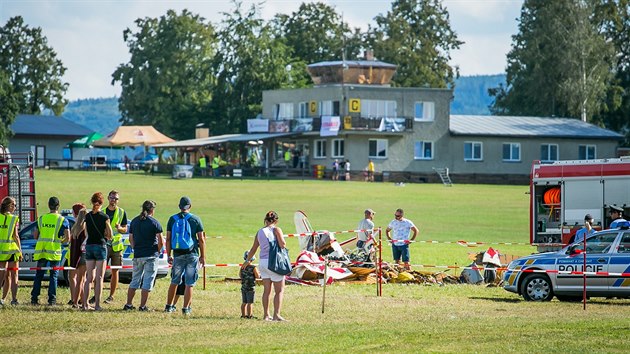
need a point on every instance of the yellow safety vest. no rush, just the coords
(215, 162)
(117, 245)
(8, 246)
(48, 244)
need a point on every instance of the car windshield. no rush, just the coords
(597, 243)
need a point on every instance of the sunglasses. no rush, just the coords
(113, 198)
(398, 216)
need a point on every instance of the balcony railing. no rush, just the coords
(347, 124)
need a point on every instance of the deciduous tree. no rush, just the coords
(34, 72)
(416, 35)
(168, 81)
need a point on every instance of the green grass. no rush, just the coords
(408, 318)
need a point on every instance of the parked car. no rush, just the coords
(28, 249)
(539, 277)
(183, 171)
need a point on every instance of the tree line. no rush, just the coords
(570, 58)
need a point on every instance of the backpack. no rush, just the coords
(181, 235)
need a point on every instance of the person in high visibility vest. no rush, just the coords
(118, 222)
(287, 157)
(216, 163)
(10, 249)
(51, 231)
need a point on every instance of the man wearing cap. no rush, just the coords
(51, 231)
(585, 231)
(400, 238)
(366, 225)
(616, 215)
(184, 261)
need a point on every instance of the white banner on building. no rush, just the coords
(258, 125)
(330, 126)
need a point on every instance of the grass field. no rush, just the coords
(408, 318)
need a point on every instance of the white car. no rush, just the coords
(539, 277)
(183, 171)
(28, 249)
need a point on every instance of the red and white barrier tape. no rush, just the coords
(304, 234)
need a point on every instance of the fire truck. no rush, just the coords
(18, 181)
(563, 192)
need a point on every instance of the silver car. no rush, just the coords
(28, 249)
(539, 277)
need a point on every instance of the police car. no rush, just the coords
(28, 250)
(539, 277)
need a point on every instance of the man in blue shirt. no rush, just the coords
(616, 215)
(585, 231)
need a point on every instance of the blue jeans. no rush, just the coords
(52, 284)
(399, 251)
(187, 265)
(144, 273)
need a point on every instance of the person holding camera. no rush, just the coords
(585, 231)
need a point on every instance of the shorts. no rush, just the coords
(399, 251)
(144, 273)
(12, 258)
(265, 273)
(116, 257)
(185, 265)
(82, 259)
(248, 296)
(95, 252)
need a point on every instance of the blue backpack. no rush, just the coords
(181, 235)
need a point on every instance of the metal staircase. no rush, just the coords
(443, 173)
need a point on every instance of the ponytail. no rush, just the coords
(147, 207)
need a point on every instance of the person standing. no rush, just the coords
(268, 234)
(366, 225)
(10, 250)
(118, 222)
(77, 255)
(99, 231)
(616, 215)
(400, 238)
(145, 237)
(51, 231)
(287, 158)
(370, 171)
(248, 277)
(347, 166)
(585, 231)
(186, 240)
(335, 170)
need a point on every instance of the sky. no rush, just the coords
(87, 34)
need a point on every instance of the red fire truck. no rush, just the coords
(18, 181)
(563, 192)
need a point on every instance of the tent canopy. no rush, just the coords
(86, 141)
(134, 135)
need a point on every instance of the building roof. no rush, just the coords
(51, 126)
(354, 63)
(219, 139)
(527, 127)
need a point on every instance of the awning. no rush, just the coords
(86, 141)
(219, 139)
(133, 135)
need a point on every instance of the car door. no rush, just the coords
(598, 255)
(620, 263)
(27, 241)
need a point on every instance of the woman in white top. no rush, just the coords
(269, 233)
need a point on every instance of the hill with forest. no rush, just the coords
(102, 115)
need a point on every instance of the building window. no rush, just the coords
(586, 152)
(423, 150)
(329, 108)
(511, 152)
(283, 111)
(424, 111)
(320, 149)
(303, 109)
(377, 148)
(473, 151)
(549, 152)
(338, 148)
(378, 109)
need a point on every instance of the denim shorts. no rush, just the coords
(95, 252)
(187, 265)
(248, 296)
(144, 273)
(399, 251)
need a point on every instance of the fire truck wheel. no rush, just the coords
(537, 287)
